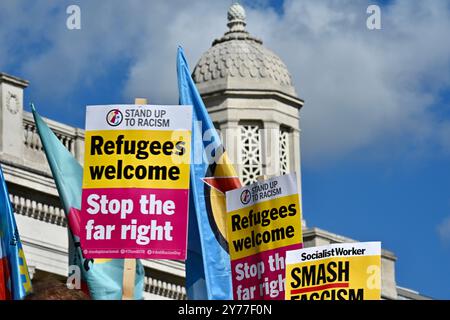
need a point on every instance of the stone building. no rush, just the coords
(251, 99)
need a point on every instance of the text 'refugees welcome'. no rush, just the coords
(141, 150)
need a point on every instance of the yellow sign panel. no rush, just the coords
(336, 272)
(130, 159)
(264, 226)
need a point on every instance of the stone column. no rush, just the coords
(11, 120)
(79, 145)
(388, 282)
(295, 157)
(231, 139)
(295, 164)
(270, 144)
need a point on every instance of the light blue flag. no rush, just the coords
(15, 283)
(208, 270)
(103, 277)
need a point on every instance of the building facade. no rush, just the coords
(252, 101)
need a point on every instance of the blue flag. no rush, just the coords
(15, 280)
(208, 268)
(103, 277)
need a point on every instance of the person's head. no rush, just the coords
(50, 288)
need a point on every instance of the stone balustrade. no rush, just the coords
(164, 289)
(39, 211)
(72, 138)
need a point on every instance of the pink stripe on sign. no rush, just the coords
(261, 276)
(134, 223)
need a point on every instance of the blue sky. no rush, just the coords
(376, 121)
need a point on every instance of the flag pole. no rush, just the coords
(129, 265)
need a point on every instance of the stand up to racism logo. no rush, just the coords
(114, 117)
(245, 196)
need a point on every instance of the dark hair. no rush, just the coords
(50, 288)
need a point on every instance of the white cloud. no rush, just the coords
(143, 33)
(444, 230)
(363, 89)
(194, 25)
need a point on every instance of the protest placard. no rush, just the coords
(263, 222)
(343, 271)
(136, 181)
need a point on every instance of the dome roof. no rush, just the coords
(240, 61)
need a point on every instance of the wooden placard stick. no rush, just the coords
(264, 177)
(261, 178)
(129, 276)
(140, 101)
(129, 265)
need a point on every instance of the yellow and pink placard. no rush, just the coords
(136, 181)
(263, 223)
